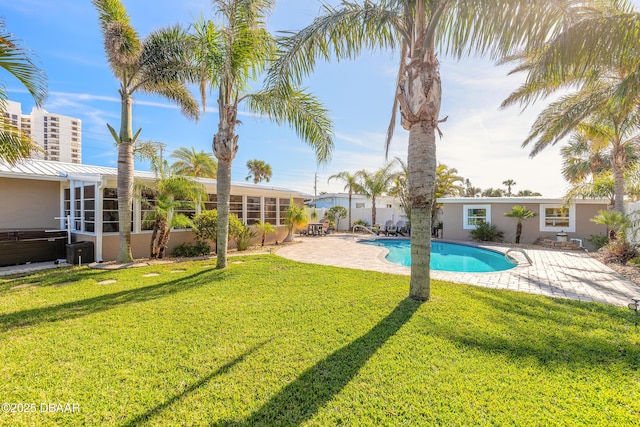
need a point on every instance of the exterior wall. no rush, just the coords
(383, 214)
(452, 217)
(28, 203)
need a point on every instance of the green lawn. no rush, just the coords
(275, 342)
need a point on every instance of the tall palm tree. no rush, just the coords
(509, 183)
(192, 163)
(605, 72)
(158, 64)
(375, 184)
(417, 29)
(230, 59)
(350, 183)
(15, 59)
(259, 170)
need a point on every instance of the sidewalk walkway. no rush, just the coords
(574, 275)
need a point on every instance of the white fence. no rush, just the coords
(382, 216)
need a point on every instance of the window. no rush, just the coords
(211, 202)
(146, 207)
(90, 208)
(253, 209)
(270, 207)
(474, 215)
(235, 206)
(110, 210)
(359, 205)
(283, 205)
(557, 218)
(389, 205)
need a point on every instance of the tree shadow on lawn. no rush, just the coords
(301, 399)
(556, 332)
(195, 386)
(75, 309)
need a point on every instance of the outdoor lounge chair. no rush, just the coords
(390, 229)
(401, 228)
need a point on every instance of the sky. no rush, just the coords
(480, 140)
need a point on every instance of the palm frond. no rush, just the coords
(302, 111)
(15, 145)
(16, 59)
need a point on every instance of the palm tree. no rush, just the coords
(521, 213)
(259, 170)
(400, 188)
(509, 183)
(158, 64)
(604, 70)
(230, 59)
(295, 216)
(264, 228)
(192, 163)
(416, 29)
(448, 183)
(172, 193)
(350, 183)
(15, 59)
(492, 192)
(375, 184)
(583, 158)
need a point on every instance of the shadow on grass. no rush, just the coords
(195, 386)
(75, 309)
(558, 333)
(301, 399)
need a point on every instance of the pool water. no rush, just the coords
(447, 256)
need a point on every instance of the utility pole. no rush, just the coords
(315, 186)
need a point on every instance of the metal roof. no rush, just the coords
(54, 170)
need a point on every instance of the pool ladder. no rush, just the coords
(522, 251)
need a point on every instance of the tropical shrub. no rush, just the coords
(198, 248)
(619, 252)
(486, 232)
(362, 223)
(205, 226)
(598, 240)
(243, 235)
(336, 213)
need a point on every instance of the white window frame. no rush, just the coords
(572, 218)
(465, 219)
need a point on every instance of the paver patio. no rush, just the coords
(554, 273)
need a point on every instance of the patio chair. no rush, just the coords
(401, 228)
(390, 229)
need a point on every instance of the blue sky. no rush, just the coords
(480, 140)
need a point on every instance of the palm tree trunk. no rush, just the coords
(223, 187)
(422, 167)
(373, 211)
(350, 225)
(125, 179)
(225, 147)
(164, 239)
(154, 234)
(618, 164)
(518, 231)
(419, 96)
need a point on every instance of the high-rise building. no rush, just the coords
(60, 137)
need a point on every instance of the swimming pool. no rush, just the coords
(447, 256)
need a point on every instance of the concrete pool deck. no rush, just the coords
(554, 273)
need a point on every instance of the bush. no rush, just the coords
(244, 235)
(598, 240)
(190, 250)
(486, 233)
(619, 252)
(361, 222)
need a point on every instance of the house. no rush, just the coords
(40, 194)
(461, 215)
(387, 207)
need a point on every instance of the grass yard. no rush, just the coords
(274, 342)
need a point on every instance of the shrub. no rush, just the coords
(486, 232)
(244, 235)
(598, 240)
(190, 250)
(361, 222)
(619, 252)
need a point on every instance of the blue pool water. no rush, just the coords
(447, 256)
